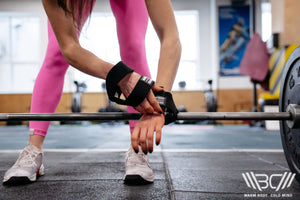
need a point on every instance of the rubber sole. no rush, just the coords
(13, 181)
(23, 180)
(135, 180)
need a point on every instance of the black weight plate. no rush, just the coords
(290, 94)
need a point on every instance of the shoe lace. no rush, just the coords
(26, 158)
(137, 158)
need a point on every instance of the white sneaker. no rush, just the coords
(137, 169)
(26, 168)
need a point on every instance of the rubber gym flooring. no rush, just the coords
(193, 162)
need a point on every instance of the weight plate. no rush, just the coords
(290, 94)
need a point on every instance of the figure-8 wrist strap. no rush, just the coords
(166, 102)
(138, 94)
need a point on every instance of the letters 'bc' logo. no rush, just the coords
(263, 181)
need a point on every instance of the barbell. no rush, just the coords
(292, 116)
(289, 114)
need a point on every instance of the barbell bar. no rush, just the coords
(135, 116)
(291, 115)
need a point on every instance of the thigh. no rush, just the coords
(131, 17)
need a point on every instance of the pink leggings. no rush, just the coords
(132, 19)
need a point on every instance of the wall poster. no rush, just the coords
(234, 35)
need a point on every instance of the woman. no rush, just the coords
(66, 18)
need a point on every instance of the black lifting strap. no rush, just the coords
(138, 94)
(166, 102)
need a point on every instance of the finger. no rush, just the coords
(157, 88)
(152, 100)
(139, 109)
(143, 141)
(135, 139)
(158, 135)
(147, 108)
(150, 139)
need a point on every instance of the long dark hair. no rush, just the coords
(76, 8)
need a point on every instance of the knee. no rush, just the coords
(54, 60)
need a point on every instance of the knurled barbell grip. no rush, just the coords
(234, 116)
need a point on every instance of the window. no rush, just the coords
(104, 43)
(266, 21)
(19, 52)
(187, 22)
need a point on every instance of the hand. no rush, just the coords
(149, 104)
(143, 132)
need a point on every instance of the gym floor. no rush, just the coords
(193, 162)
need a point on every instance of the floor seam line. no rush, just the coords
(168, 176)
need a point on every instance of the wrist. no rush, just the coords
(107, 70)
(117, 72)
(166, 102)
(134, 87)
(128, 79)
